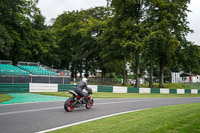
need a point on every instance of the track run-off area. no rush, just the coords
(46, 116)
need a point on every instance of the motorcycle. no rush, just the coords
(76, 102)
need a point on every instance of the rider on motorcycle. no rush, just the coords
(79, 89)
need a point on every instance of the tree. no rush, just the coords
(131, 16)
(77, 34)
(24, 36)
(189, 59)
(170, 27)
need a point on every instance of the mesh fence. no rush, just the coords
(56, 79)
(5, 62)
(101, 81)
(35, 79)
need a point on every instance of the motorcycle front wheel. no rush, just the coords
(89, 103)
(68, 103)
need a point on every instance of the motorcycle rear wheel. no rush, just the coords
(67, 104)
(89, 103)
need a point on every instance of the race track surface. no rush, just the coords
(35, 117)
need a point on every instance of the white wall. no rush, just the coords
(93, 87)
(184, 80)
(195, 79)
(175, 77)
(144, 90)
(194, 91)
(40, 87)
(180, 91)
(164, 91)
(117, 89)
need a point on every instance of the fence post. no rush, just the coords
(31, 78)
(12, 79)
(49, 79)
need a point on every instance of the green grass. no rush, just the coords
(182, 118)
(167, 85)
(122, 95)
(4, 97)
(194, 85)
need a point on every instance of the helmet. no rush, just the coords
(84, 80)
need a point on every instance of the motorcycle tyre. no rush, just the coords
(89, 106)
(67, 103)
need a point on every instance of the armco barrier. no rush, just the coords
(118, 89)
(11, 88)
(39, 87)
(194, 91)
(187, 91)
(144, 90)
(164, 91)
(93, 87)
(172, 91)
(155, 90)
(66, 87)
(180, 91)
(105, 89)
(44, 87)
(133, 90)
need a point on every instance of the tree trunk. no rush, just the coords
(103, 74)
(75, 74)
(137, 70)
(72, 72)
(151, 72)
(124, 71)
(161, 84)
(81, 74)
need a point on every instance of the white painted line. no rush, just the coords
(77, 123)
(37, 102)
(31, 102)
(119, 102)
(33, 110)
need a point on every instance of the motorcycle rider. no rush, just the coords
(79, 89)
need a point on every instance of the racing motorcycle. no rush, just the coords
(76, 102)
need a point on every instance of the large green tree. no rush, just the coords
(24, 36)
(168, 30)
(130, 15)
(77, 34)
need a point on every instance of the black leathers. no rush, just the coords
(81, 85)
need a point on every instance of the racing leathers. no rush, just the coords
(79, 90)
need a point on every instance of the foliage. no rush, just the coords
(24, 36)
(150, 34)
(77, 34)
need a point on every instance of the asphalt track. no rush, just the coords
(35, 117)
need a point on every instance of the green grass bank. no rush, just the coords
(182, 118)
(5, 97)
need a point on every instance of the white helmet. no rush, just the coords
(84, 80)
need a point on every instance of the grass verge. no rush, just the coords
(183, 118)
(167, 85)
(5, 97)
(156, 85)
(122, 95)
